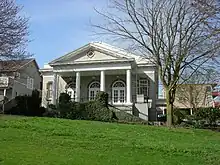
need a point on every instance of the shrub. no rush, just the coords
(97, 111)
(27, 105)
(178, 116)
(64, 106)
(162, 118)
(51, 111)
(211, 115)
(92, 110)
(102, 98)
(51, 106)
(64, 98)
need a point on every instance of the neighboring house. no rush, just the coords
(189, 96)
(193, 96)
(18, 77)
(129, 79)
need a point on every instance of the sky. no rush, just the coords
(59, 26)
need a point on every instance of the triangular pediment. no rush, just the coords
(95, 56)
(89, 53)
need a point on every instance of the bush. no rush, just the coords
(27, 105)
(92, 110)
(102, 98)
(51, 111)
(64, 98)
(64, 106)
(178, 116)
(162, 118)
(211, 115)
(97, 111)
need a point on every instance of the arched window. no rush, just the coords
(49, 90)
(71, 90)
(94, 88)
(118, 92)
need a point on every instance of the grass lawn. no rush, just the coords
(47, 141)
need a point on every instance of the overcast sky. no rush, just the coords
(59, 26)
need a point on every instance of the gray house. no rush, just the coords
(18, 77)
(129, 79)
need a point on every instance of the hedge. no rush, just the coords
(92, 110)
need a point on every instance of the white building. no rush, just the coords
(129, 79)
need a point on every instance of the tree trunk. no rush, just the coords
(169, 105)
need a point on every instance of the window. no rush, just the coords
(94, 88)
(49, 90)
(143, 87)
(118, 92)
(30, 83)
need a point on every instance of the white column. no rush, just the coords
(55, 89)
(102, 81)
(3, 105)
(128, 85)
(5, 90)
(77, 86)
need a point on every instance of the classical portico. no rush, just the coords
(126, 77)
(98, 76)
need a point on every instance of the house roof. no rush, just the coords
(118, 53)
(14, 65)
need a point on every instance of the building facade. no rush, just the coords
(129, 79)
(18, 77)
(194, 96)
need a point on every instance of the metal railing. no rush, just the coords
(111, 100)
(7, 104)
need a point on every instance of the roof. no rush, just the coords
(14, 65)
(117, 52)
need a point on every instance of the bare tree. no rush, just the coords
(171, 34)
(13, 31)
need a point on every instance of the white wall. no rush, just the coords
(152, 74)
(149, 72)
(46, 78)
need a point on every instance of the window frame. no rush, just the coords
(49, 91)
(141, 88)
(93, 90)
(30, 83)
(119, 97)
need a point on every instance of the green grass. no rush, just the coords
(47, 141)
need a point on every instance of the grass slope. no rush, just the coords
(47, 141)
